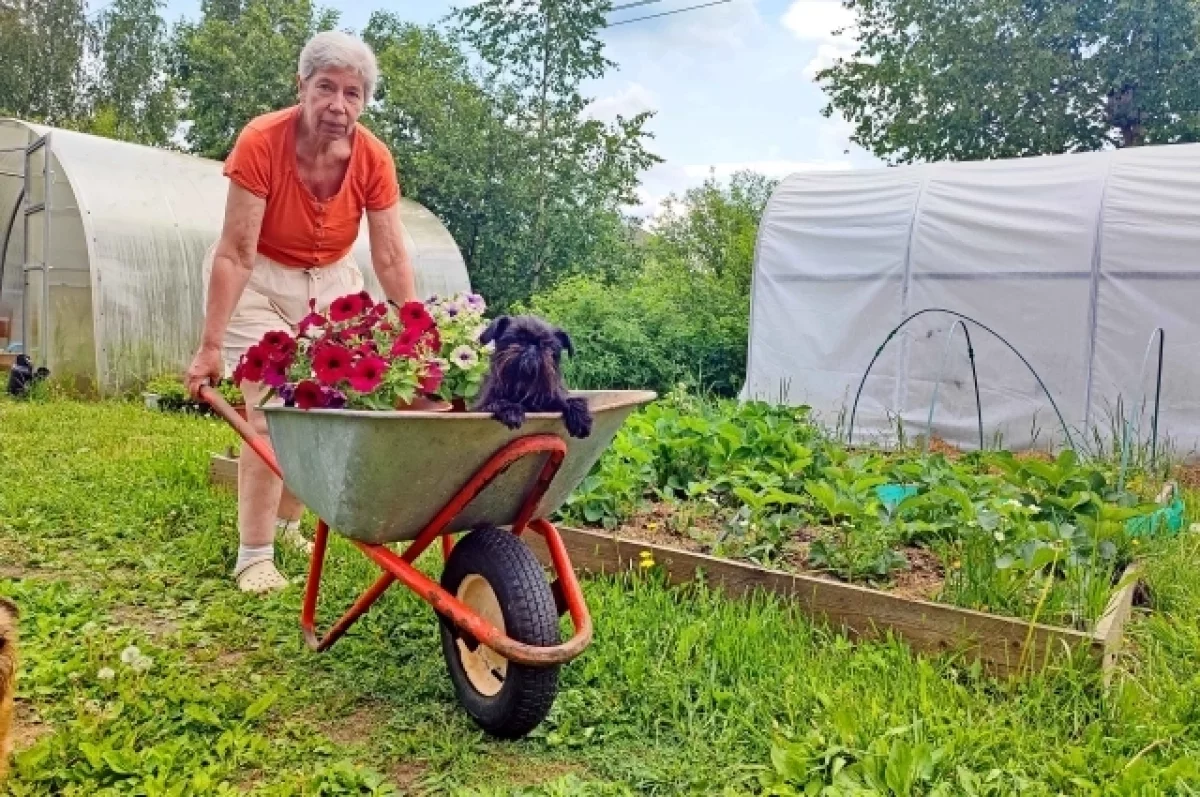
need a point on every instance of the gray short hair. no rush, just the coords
(333, 49)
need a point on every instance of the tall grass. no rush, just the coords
(106, 516)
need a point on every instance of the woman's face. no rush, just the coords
(331, 101)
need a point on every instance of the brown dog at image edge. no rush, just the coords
(9, 615)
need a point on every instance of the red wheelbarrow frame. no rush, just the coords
(567, 594)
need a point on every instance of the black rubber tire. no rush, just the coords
(530, 616)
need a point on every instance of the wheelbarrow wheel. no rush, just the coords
(499, 577)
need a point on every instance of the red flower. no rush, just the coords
(283, 353)
(381, 309)
(368, 374)
(253, 362)
(345, 308)
(365, 298)
(415, 316)
(332, 364)
(402, 348)
(432, 339)
(313, 319)
(432, 379)
(368, 349)
(276, 340)
(308, 395)
(275, 374)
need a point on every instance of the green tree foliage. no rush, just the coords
(239, 61)
(684, 317)
(971, 79)
(131, 97)
(454, 151)
(567, 176)
(42, 48)
(712, 230)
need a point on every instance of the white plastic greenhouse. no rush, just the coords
(1075, 260)
(100, 274)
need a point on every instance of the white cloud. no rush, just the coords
(816, 20)
(630, 101)
(826, 22)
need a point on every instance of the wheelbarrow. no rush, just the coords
(380, 478)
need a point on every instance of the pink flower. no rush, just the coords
(275, 374)
(368, 374)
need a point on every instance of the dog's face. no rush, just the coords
(528, 355)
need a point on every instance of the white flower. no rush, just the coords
(464, 357)
(106, 674)
(130, 654)
(142, 663)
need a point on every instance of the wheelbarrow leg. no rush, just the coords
(308, 617)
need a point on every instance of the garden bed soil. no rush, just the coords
(923, 579)
(1003, 646)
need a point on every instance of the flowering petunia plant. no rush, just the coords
(464, 360)
(366, 355)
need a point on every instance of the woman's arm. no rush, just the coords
(389, 257)
(233, 262)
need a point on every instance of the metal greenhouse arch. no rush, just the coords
(100, 267)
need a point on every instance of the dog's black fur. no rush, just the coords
(22, 377)
(525, 374)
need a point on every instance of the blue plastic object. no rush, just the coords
(893, 494)
(1167, 521)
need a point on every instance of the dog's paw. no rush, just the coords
(577, 417)
(511, 415)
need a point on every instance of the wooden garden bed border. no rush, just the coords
(1003, 645)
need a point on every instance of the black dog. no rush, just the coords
(22, 377)
(525, 376)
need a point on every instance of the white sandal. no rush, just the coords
(260, 577)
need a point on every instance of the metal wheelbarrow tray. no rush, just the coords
(379, 478)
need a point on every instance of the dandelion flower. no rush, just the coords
(129, 654)
(106, 674)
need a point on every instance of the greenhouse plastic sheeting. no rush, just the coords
(129, 229)
(1073, 259)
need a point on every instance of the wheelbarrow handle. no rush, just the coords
(260, 444)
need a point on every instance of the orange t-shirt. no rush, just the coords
(297, 229)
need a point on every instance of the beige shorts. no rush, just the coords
(276, 298)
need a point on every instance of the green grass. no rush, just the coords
(110, 537)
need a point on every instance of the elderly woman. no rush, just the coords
(300, 180)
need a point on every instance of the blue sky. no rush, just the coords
(731, 85)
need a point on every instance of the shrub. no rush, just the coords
(665, 327)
